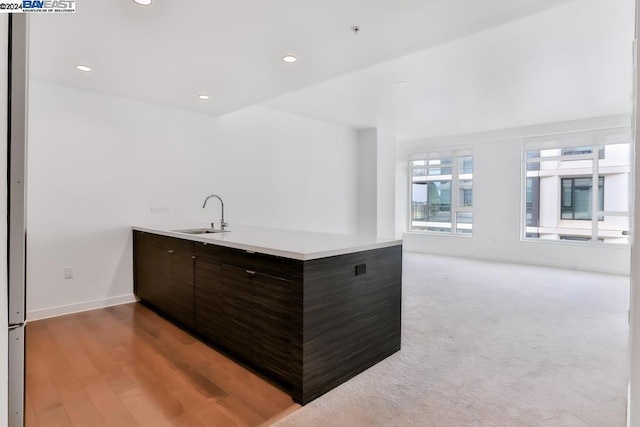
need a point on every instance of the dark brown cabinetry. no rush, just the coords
(208, 299)
(265, 283)
(309, 325)
(164, 275)
(258, 317)
(352, 323)
(272, 325)
(237, 311)
(218, 292)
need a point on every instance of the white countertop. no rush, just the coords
(301, 245)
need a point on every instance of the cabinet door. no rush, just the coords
(180, 295)
(210, 320)
(153, 272)
(164, 275)
(237, 335)
(272, 326)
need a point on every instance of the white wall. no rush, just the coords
(4, 339)
(97, 164)
(367, 182)
(376, 192)
(497, 206)
(386, 190)
(633, 412)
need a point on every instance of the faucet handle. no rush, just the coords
(213, 225)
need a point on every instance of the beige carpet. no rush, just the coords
(488, 344)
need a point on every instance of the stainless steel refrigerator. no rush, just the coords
(17, 89)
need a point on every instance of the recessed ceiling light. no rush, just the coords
(83, 68)
(402, 83)
(203, 97)
(289, 59)
(144, 2)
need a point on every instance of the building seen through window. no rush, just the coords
(576, 191)
(576, 198)
(442, 192)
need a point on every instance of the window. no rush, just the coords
(578, 238)
(559, 176)
(582, 150)
(532, 204)
(576, 198)
(442, 192)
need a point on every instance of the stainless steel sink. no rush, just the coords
(200, 231)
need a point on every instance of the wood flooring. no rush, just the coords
(126, 366)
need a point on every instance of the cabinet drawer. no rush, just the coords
(262, 263)
(144, 239)
(208, 251)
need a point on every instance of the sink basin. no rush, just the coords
(200, 231)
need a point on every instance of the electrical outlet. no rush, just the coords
(154, 209)
(68, 272)
(164, 210)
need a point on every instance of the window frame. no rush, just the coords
(573, 197)
(459, 172)
(573, 151)
(598, 139)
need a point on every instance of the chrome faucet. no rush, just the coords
(222, 223)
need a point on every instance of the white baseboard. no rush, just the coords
(594, 268)
(76, 308)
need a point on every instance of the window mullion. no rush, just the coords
(595, 193)
(573, 198)
(454, 194)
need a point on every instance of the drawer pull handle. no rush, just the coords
(193, 257)
(170, 251)
(250, 272)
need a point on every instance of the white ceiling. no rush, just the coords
(567, 63)
(172, 51)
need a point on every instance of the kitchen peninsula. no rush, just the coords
(308, 310)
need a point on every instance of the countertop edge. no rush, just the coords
(271, 251)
